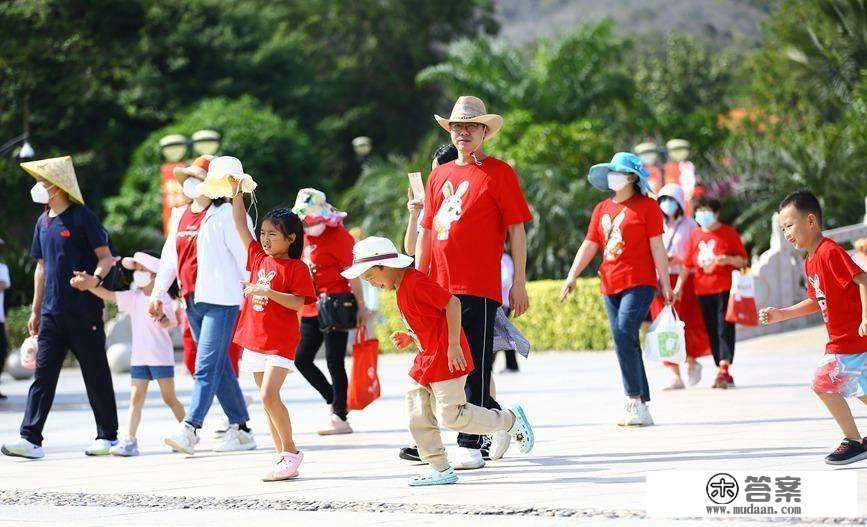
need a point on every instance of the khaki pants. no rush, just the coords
(448, 400)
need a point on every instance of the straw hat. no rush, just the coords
(197, 169)
(151, 263)
(374, 251)
(59, 172)
(469, 109)
(221, 171)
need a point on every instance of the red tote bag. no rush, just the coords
(364, 383)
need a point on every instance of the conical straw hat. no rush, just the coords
(58, 171)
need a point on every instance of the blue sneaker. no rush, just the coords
(521, 430)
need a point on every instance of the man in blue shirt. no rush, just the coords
(68, 237)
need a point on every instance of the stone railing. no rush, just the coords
(779, 275)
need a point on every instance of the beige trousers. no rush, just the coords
(448, 400)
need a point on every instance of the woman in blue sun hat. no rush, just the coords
(627, 226)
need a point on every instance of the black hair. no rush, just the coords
(446, 153)
(287, 222)
(804, 201)
(707, 202)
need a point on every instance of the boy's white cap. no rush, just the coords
(151, 263)
(372, 251)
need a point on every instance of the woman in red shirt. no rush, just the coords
(714, 251)
(327, 252)
(628, 227)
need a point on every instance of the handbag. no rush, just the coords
(666, 338)
(364, 383)
(338, 312)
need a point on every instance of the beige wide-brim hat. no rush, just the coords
(59, 172)
(469, 109)
(197, 169)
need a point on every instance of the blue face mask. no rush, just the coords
(705, 218)
(669, 207)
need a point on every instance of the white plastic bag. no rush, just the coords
(666, 338)
(28, 353)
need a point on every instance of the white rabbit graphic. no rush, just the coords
(450, 210)
(264, 279)
(614, 242)
(706, 254)
(820, 295)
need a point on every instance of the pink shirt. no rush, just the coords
(151, 344)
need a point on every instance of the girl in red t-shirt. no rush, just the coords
(278, 287)
(713, 252)
(628, 227)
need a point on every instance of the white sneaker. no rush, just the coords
(675, 384)
(221, 429)
(184, 440)
(499, 444)
(338, 426)
(637, 414)
(23, 448)
(693, 373)
(468, 459)
(100, 447)
(236, 440)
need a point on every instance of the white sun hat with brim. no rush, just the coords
(469, 109)
(151, 263)
(59, 172)
(373, 251)
(221, 171)
(675, 192)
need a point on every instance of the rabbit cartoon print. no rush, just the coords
(451, 208)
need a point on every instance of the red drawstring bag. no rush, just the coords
(742, 301)
(364, 383)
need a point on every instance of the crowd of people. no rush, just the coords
(305, 282)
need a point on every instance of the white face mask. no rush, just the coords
(142, 278)
(190, 189)
(617, 181)
(315, 230)
(39, 194)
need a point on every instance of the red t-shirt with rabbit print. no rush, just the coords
(264, 325)
(703, 248)
(471, 206)
(623, 232)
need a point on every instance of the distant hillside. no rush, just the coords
(722, 21)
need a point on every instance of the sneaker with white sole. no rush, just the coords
(637, 414)
(184, 440)
(126, 448)
(675, 384)
(693, 373)
(236, 440)
(338, 426)
(499, 444)
(100, 447)
(221, 429)
(468, 459)
(286, 467)
(22, 448)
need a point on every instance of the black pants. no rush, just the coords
(720, 333)
(477, 319)
(85, 336)
(511, 355)
(335, 357)
(4, 345)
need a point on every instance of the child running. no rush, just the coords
(153, 355)
(279, 286)
(433, 317)
(837, 287)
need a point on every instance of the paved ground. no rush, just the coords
(583, 467)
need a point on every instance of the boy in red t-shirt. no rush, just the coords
(713, 252)
(440, 369)
(837, 287)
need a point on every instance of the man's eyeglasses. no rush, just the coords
(465, 127)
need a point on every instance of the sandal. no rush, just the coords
(435, 477)
(521, 430)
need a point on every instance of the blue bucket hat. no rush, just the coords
(625, 162)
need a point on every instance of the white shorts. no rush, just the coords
(255, 362)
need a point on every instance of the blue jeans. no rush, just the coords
(626, 312)
(212, 327)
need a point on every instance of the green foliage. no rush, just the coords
(21, 267)
(580, 323)
(16, 324)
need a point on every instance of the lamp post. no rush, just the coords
(362, 145)
(25, 152)
(174, 149)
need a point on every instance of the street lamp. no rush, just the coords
(174, 147)
(25, 152)
(206, 142)
(362, 146)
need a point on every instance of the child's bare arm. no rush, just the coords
(239, 214)
(286, 300)
(772, 315)
(453, 320)
(861, 280)
(81, 278)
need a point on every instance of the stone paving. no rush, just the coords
(583, 469)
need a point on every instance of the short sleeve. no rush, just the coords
(510, 197)
(301, 283)
(428, 292)
(255, 253)
(593, 234)
(842, 267)
(654, 223)
(125, 301)
(36, 245)
(94, 232)
(342, 250)
(426, 221)
(736, 244)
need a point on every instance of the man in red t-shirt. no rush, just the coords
(837, 287)
(471, 205)
(433, 317)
